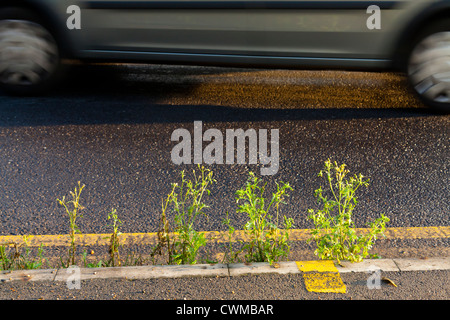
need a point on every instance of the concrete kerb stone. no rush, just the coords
(368, 264)
(28, 275)
(148, 272)
(219, 270)
(243, 269)
(437, 263)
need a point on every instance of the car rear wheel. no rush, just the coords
(29, 55)
(429, 67)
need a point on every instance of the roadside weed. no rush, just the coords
(8, 257)
(334, 228)
(267, 233)
(15, 259)
(165, 242)
(114, 239)
(231, 255)
(26, 261)
(186, 203)
(73, 213)
(87, 264)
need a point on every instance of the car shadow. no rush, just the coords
(112, 94)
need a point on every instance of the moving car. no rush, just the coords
(411, 36)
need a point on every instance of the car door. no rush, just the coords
(246, 30)
(184, 26)
(337, 29)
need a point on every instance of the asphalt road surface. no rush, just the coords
(110, 127)
(417, 285)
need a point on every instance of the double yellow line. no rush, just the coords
(212, 236)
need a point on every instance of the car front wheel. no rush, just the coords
(29, 54)
(429, 67)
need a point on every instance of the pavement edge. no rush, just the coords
(223, 270)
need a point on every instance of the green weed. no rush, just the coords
(74, 214)
(334, 227)
(87, 264)
(114, 239)
(8, 257)
(185, 203)
(17, 259)
(267, 232)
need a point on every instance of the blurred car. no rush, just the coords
(412, 36)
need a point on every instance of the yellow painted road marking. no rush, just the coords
(319, 266)
(80, 239)
(321, 276)
(324, 282)
(417, 232)
(212, 236)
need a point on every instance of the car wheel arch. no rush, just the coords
(436, 12)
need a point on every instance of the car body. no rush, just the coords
(251, 33)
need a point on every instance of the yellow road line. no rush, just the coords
(418, 232)
(212, 236)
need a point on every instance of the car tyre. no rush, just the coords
(429, 66)
(30, 59)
